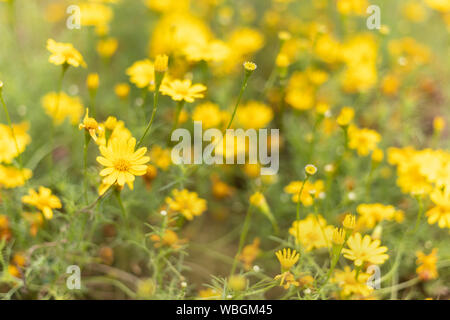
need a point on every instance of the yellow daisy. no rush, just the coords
(362, 250)
(180, 90)
(122, 162)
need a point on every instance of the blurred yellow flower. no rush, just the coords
(180, 90)
(64, 54)
(44, 200)
(122, 90)
(249, 253)
(310, 191)
(62, 107)
(426, 268)
(8, 138)
(142, 73)
(440, 213)
(209, 114)
(254, 115)
(350, 284)
(11, 177)
(215, 50)
(312, 232)
(107, 47)
(363, 140)
(186, 203)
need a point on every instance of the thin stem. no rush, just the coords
(177, 118)
(242, 238)
(119, 200)
(299, 196)
(241, 92)
(419, 214)
(87, 139)
(149, 125)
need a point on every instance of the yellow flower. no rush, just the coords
(161, 157)
(377, 155)
(310, 169)
(441, 212)
(209, 114)
(92, 81)
(346, 280)
(250, 66)
(390, 85)
(345, 116)
(8, 138)
(414, 11)
(362, 250)
(220, 189)
(11, 177)
(440, 5)
(122, 90)
(287, 258)
(372, 214)
(312, 232)
(282, 60)
(180, 90)
(66, 107)
(90, 125)
(288, 278)
(170, 239)
(96, 14)
(349, 221)
(187, 203)
(115, 127)
(161, 63)
(249, 253)
(310, 191)
(254, 115)
(237, 282)
(427, 265)
(35, 220)
(64, 54)
(142, 73)
(352, 7)
(44, 201)
(214, 50)
(438, 124)
(107, 47)
(363, 140)
(338, 237)
(122, 162)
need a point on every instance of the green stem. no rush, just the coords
(122, 207)
(149, 125)
(177, 118)
(242, 238)
(419, 214)
(87, 139)
(241, 92)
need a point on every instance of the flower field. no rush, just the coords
(225, 149)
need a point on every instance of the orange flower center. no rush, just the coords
(122, 165)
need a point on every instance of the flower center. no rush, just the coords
(121, 165)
